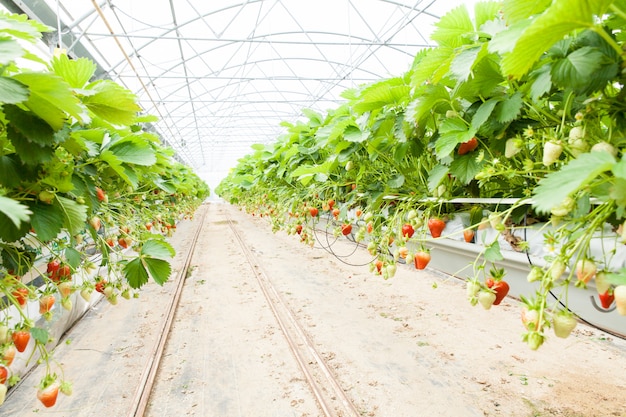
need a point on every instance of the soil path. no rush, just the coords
(411, 346)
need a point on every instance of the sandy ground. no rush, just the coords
(407, 347)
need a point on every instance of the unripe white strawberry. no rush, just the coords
(585, 270)
(557, 270)
(563, 323)
(486, 298)
(604, 147)
(512, 147)
(620, 299)
(551, 152)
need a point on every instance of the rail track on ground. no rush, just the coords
(329, 396)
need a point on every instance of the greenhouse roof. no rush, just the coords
(224, 75)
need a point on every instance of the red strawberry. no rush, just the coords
(46, 302)
(65, 273)
(53, 268)
(20, 339)
(422, 258)
(379, 267)
(346, 229)
(4, 374)
(48, 394)
(148, 225)
(298, 228)
(606, 298)
(313, 211)
(100, 284)
(336, 213)
(407, 230)
(436, 226)
(331, 204)
(468, 146)
(370, 227)
(468, 235)
(21, 295)
(100, 194)
(502, 289)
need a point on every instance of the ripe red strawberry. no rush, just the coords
(606, 298)
(379, 267)
(358, 212)
(468, 235)
(436, 226)
(331, 204)
(53, 268)
(100, 285)
(298, 228)
(20, 339)
(148, 225)
(336, 213)
(407, 230)
(100, 194)
(468, 146)
(346, 229)
(370, 227)
(422, 258)
(65, 273)
(4, 374)
(21, 295)
(122, 242)
(47, 394)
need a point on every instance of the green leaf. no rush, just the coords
(396, 181)
(47, 220)
(429, 98)
(492, 252)
(556, 186)
(75, 215)
(10, 171)
(40, 335)
(50, 98)
(112, 102)
(73, 257)
(482, 114)
(619, 169)
(389, 92)
(76, 72)
(134, 151)
(453, 132)
(12, 91)
(10, 50)
(453, 28)
(510, 108)
(29, 125)
(354, 134)
(559, 20)
(465, 168)
(135, 273)
(515, 10)
(14, 211)
(9, 232)
(542, 82)
(157, 249)
(158, 269)
(434, 65)
(21, 27)
(463, 63)
(29, 153)
(575, 69)
(436, 175)
(486, 11)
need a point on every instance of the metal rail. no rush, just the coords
(142, 395)
(291, 329)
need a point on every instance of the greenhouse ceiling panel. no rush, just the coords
(223, 75)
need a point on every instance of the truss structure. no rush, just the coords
(223, 75)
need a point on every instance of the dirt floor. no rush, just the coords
(410, 346)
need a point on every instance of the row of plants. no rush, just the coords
(88, 197)
(521, 101)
